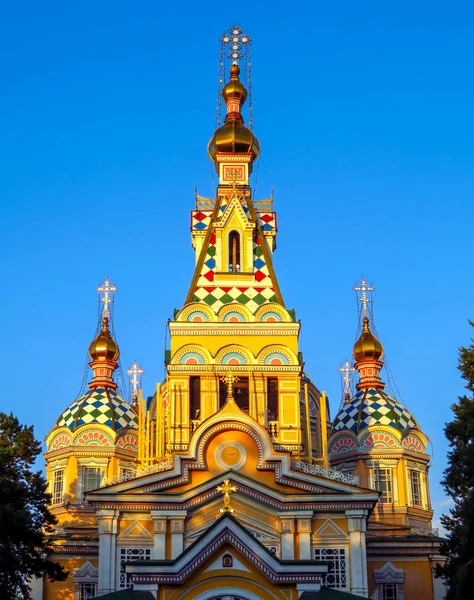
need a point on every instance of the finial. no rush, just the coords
(347, 377)
(135, 372)
(226, 488)
(108, 289)
(235, 41)
(363, 287)
(229, 380)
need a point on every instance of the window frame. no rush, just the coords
(122, 576)
(80, 590)
(57, 495)
(99, 471)
(387, 494)
(340, 568)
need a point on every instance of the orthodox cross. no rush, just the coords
(363, 287)
(226, 488)
(135, 372)
(229, 380)
(235, 40)
(346, 375)
(108, 289)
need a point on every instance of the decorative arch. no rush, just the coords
(62, 440)
(344, 443)
(191, 355)
(196, 312)
(128, 442)
(233, 356)
(378, 439)
(276, 356)
(272, 312)
(234, 313)
(92, 437)
(412, 442)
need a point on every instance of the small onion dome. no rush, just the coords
(234, 137)
(367, 346)
(104, 347)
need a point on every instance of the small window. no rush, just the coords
(87, 590)
(389, 591)
(415, 483)
(337, 575)
(234, 252)
(58, 487)
(272, 398)
(195, 398)
(383, 483)
(91, 478)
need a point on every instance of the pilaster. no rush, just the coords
(177, 532)
(108, 520)
(357, 525)
(159, 534)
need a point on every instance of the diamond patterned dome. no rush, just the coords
(99, 405)
(373, 407)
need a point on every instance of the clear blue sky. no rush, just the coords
(365, 114)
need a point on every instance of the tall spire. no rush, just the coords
(104, 351)
(368, 350)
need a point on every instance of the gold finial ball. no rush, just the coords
(234, 89)
(367, 346)
(104, 347)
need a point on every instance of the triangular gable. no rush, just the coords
(228, 531)
(237, 564)
(330, 529)
(256, 287)
(135, 531)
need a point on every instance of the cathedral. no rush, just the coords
(232, 481)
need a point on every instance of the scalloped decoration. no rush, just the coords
(192, 358)
(128, 442)
(93, 438)
(234, 358)
(343, 444)
(378, 439)
(197, 316)
(60, 441)
(271, 316)
(411, 442)
(234, 316)
(276, 358)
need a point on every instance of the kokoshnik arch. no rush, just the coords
(313, 506)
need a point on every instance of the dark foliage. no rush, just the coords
(25, 519)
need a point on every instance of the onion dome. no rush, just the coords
(372, 407)
(104, 348)
(104, 353)
(367, 346)
(234, 137)
(99, 405)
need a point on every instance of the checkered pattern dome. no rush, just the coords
(373, 407)
(101, 405)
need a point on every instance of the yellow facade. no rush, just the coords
(342, 504)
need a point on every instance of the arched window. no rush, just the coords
(234, 252)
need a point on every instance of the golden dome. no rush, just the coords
(104, 347)
(234, 137)
(367, 346)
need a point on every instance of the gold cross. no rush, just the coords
(226, 488)
(229, 380)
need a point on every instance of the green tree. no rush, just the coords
(458, 482)
(25, 519)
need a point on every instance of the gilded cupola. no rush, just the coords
(367, 346)
(233, 137)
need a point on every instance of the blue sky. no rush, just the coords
(364, 113)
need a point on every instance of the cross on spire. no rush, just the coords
(363, 287)
(235, 41)
(229, 380)
(346, 376)
(108, 289)
(226, 488)
(135, 372)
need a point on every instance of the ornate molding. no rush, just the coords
(304, 467)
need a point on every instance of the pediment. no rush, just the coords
(136, 531)
(330, 529)
(227, 533)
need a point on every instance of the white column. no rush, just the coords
(304, 536)
(108, 520)
(394, 472)
(177, 532)
(287, 538)
(357, 522)
(159, 534)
